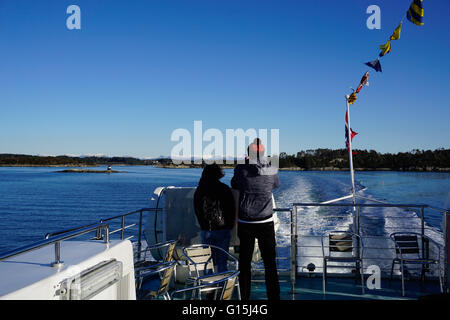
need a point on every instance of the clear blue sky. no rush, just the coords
(137, 70)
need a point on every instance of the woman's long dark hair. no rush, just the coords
(212, 172)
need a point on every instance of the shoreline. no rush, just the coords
(72, 165)
(412, 169)
(183, 166)
(49, 165)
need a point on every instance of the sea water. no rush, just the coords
(38, 200)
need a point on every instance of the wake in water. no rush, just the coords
(376, 223)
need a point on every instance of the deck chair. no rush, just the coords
(201, 266)
(343, 247)
(153, 282)
(408, 251)
(222, 289)
(163, 251)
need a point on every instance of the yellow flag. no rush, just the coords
(396, 34)
(385, 48)
(352, 98)
(415, 12)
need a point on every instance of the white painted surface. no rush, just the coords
(30, 276)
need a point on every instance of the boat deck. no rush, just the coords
(345, 288)
(340, 288)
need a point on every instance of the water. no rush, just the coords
(38, 200)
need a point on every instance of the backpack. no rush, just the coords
(212, 212)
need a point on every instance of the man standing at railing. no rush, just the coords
(255, 181)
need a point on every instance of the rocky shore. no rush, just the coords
(89, 171)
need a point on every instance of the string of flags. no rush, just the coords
(414, 15)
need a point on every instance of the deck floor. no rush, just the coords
(340, 288)
(310, 288)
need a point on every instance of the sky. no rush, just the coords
(138, 70)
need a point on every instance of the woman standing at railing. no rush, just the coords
(215, 211)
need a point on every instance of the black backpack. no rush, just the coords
(213, 212)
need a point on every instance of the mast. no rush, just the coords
(350, 153)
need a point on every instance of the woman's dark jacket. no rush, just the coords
(214, 205)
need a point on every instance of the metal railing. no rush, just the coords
(123, 226)
(297, 241)
(304, 249)
(103, 225)
(56, 240)
(358, 226)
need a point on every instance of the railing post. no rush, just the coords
(293, 253)
(58, 263)
(122, 233)
(422, 232)
(446, 250)
(98, 235)
(357, 220)
(295, 244)
(106, 227)
(422, 220)
(140, 235)
(358, 238)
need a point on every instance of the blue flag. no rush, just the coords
(375, 64)
(415, 13)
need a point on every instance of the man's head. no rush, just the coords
(256, 149)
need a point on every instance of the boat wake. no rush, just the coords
(376, 223)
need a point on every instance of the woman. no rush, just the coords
(215, 210)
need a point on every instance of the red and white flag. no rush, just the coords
(352, 133)
(364, 82)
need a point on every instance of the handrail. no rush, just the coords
(133, 212)
(418, 208)
(51, 234)
(321, 204)
(57, 241)
(441, 210)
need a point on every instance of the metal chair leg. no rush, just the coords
(238, 290)
(440, 278)
(392, 269)
(361, 271)
(324, 275)
(402, 269)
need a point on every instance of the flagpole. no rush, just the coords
(350, 153)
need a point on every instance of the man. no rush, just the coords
(255, 181)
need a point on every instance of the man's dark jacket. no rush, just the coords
(214, 190)
(255, 182)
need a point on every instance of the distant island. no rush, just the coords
(319, 159)
(88, 171)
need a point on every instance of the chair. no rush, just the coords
(156, 251)
(153, 281)
(344, 247)
(201, 266)
(408, 251)
(222, 288)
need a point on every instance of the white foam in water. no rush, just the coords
(375, 224)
